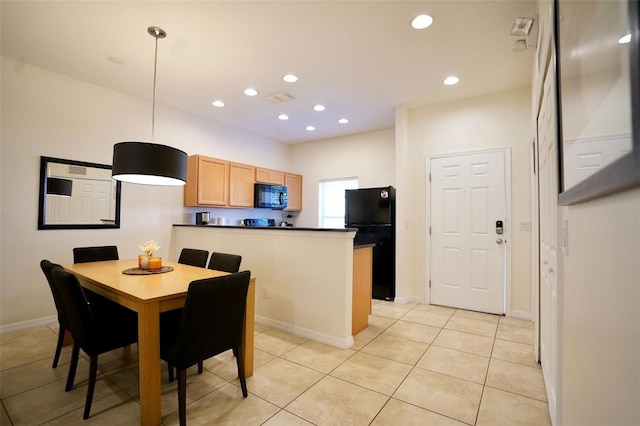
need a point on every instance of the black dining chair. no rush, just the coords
(95, 254)
(63, 323)
(193, 257)
(225, 262)
(212, 322)
(94, 329)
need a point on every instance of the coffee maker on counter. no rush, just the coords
(202, 218)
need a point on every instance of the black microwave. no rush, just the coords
(270, 196)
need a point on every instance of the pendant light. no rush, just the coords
(150, 163)
(58, 186)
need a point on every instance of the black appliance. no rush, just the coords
(267, 196)
(202, 218)
(259, 222)
(373, 212)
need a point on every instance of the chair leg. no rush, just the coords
(56, 358)
(170, 373)
(200, 367)
(240, 362)
(93, 369)
(182, 396)
(72, 367)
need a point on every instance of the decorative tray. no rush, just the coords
(140, 271)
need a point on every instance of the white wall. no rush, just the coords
(493, 121)
(601, 312)
(370, 157)
(48, 114)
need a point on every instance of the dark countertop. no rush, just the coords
(363, 245)
(282, 228)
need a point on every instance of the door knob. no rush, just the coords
(499, 241)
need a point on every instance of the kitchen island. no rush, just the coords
(305, 276)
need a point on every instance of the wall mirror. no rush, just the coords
(597, 50)
(77, 195)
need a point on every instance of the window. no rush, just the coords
(331, 202)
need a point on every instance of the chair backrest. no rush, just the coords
(225, 262)
(212, 318)
(47, 268)
(94, 254)
(75, 306)
(95, 327)
(193, 257)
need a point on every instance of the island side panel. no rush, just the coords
(304, 278)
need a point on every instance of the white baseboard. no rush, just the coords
(309, 334)
(409, 299)
(25, 325)
(521, 315)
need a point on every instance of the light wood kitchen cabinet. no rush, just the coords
(241, 180)
(269, 176)
(207, 182)
(294, 191)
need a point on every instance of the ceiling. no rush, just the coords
(361, 59)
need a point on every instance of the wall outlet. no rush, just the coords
(265, 292)
(525, 225)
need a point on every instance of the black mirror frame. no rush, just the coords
(623, 173)
(44, 161)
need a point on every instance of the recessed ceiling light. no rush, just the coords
(450, 81)
(250, 91)
(218, 104)
(283, 117)
(310, 128)
(625, 39)
(319, 108)
(343, 121)
(290, 78)
(421, 22)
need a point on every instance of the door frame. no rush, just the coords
(506, 151)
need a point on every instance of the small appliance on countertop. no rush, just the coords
(259, 222)
(202, 218)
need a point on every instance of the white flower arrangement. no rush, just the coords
(150, 247)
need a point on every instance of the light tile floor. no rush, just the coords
(413, 365)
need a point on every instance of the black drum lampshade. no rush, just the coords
(58, 186)
(149, 164)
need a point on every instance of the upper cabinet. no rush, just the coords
(269, 176)
(207, 182)
(212, 182)
(241, 180)
(294, 191)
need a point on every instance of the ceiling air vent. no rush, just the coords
(279, 98)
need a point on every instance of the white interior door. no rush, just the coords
(548, 187)
(468, 254)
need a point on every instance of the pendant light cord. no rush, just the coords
(155, 32)
(153, 113)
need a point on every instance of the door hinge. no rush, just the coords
(429, 283)
(429, 177)
(429, 230)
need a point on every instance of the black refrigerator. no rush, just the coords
(373, 212)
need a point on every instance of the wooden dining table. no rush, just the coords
(148, 295)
